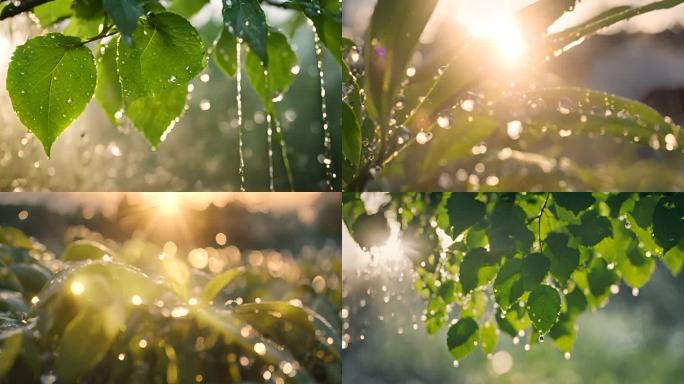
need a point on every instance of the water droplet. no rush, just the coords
(205, 105)
(423, 137)
(468, 105)
(567, 355)
(443, 122)
(456, 363)
(514, 129)
(541, 338)
(173, 79)
(564, 106)
(635, 292)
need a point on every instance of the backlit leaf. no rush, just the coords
(50, 80)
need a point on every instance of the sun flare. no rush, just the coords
(509, 41)
(168, 203)
(393, 249)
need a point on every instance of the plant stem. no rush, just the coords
(99, 37)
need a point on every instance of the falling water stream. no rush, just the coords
(327, 140)
(283, 151)
(269, 133)
(238, 97)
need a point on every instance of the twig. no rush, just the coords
(539, 217)
(26, 5)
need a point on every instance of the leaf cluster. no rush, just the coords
(527, 264)
(148, 52)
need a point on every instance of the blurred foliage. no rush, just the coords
(459, 103)
(525, 264)
(142, 313)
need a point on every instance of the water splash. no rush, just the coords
(241, 169)
(327, 139)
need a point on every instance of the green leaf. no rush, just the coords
(108, 89)
(435, 315)
(508, 230)
(299, 328)
(351, 136)
(218, 282)
(564, 259)
(636, 269)
(599, 279)
(167, 53)
(370, 230)
(535, 19)
(155, 116)
(13, 302)
(534, 269)
(579, 110)
(478, 268)
(462, 337)
(574, 201)
(464, 211)
(281, 70)
(83, 28)
(576, 302)
(85, 341)
(52, 12)
(543, 307)
(457, 143)
(387, 53)
(50, 80)
(86, 250)
(643, 210)
(248, 22)
(564, 333)
(32, 277)
(593, 229)
(489, 336)
(125, 14)
(674, 258)
(88, 9)
(508, 286)
(225, 52)
(10, 350)
(605, 19)
(187, 8)
(668, 223)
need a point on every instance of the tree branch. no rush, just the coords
(12, 10)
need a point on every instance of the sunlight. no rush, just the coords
(509, 40)
(168, 203)
(506, 34)
(393, 250)
(493, 20)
